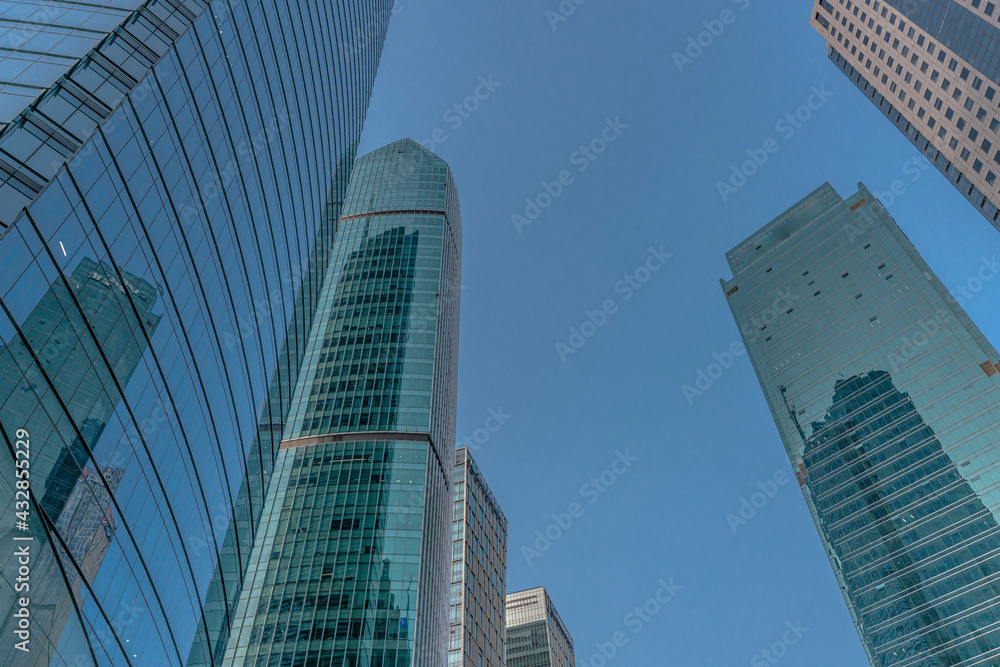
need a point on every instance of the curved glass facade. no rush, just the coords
(350, 566)
(167, 228)
(884, 393)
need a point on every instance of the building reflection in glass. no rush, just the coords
(919, 550)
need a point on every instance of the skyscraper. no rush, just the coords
(478, 571)
(536, 634)
(884, 394)
(171, 174)
(932, 67)
(350, 565)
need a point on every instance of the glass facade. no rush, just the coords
(40, 41)
(168, 202)
(478, 571)
(932, 68)
(350, 565)
(536, 635)
(884, 394)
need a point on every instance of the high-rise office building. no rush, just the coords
(478, 571)
(350, 565)
(933, 68)
(171, 174)
(536, 634)
(884, 394)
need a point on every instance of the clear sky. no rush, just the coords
(675, 135)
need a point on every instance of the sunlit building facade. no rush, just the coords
(884, 394)
(171, 175)
(933, 68)
(350, 566)
(536, 634)
(478, 571)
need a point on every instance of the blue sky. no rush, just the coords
(676, 134)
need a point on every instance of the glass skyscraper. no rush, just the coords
(536, 634)
(933, 68)
(350, 565)
(171, 175)
(884, 393)
(478, 571)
